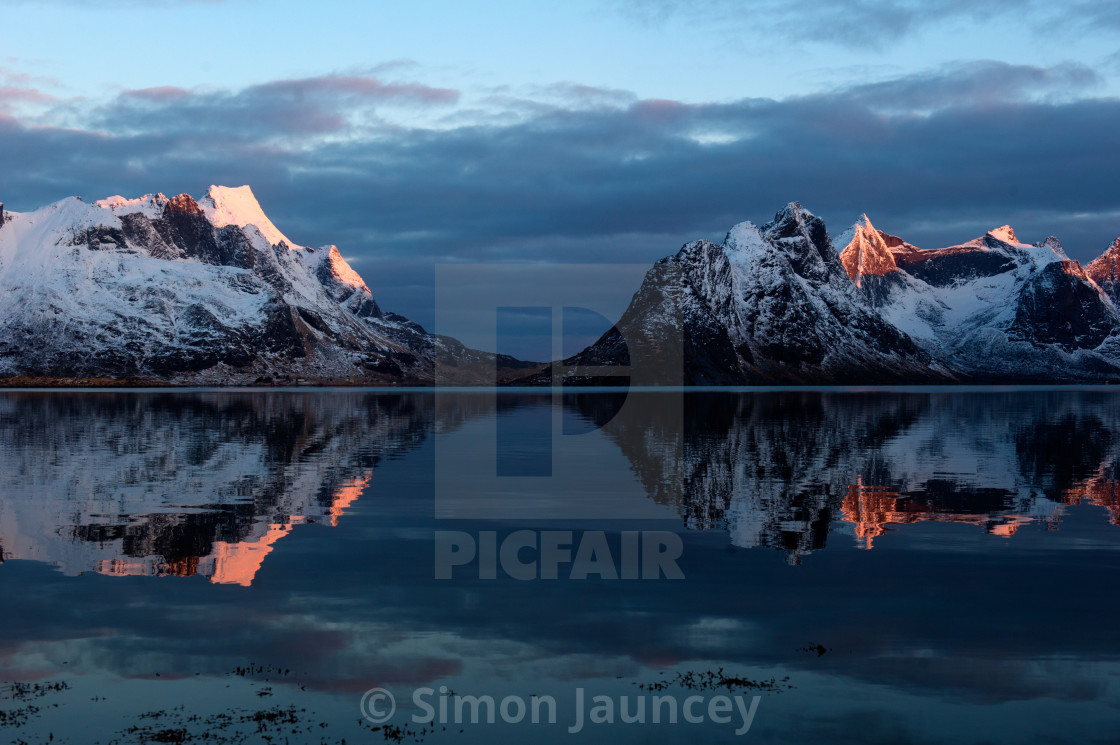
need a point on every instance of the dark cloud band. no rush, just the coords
(598, 175)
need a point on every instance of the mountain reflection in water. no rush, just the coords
(207, 483)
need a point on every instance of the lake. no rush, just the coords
(920, 565)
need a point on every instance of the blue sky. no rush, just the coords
(700, 51)
(434, 132)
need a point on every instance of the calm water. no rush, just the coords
(875, 566)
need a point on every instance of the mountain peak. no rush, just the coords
(864, 251)
(1105, 269)
(862, 226)
(1054, 245)
(184, 203)
(1004, 233)
(802, 236)
(226, 205)
(795, 211)
(744, 237)
(342, 271)
(791, 220)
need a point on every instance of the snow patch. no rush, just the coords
(745, 243)
(149, 205)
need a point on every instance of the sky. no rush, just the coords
(433, 133)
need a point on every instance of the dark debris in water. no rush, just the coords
(256, 671)
(277, 724)
(819, 649)
(24, 692)
(714, 679)
(403, 733)
(17, 717)
(274, 725)
(16, 691)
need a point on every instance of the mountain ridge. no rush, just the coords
(173, 290)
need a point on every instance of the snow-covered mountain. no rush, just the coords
(785, 304)
(991, 309)
(768, 305)
(188, 291)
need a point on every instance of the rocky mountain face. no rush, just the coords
(198, 292)
(770, 305)
(784, 304)
(1105, 271)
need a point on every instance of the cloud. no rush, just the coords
(17, 93)
(1112, 61)
(160, 94)
(579, 96)
(976, 83)
(297, 107)
(18, 87)
(868, 23)
(12, 76)
(851, 23)
(361, 88)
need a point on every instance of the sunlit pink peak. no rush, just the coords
(1106, 267)
(864, 251)
(225, 205)
(1113, 249)
(341, 269)
(1004, 233)
(861, 227)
